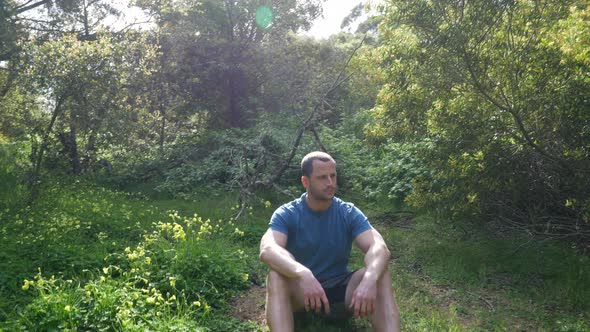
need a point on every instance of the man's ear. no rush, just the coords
(305, 181)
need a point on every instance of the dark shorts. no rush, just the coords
(335, 289)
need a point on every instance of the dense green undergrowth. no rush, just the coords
(86, 257)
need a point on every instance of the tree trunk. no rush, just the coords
(162, 130)
(74, 155)
(35, 180)
(233, 112)
(90, 152)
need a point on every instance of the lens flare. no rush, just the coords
(264, 16)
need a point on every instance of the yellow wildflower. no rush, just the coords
(27, 284)
(172, 282)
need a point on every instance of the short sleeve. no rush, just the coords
(358, 221)
(278, 221)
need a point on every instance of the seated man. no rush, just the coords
(307, 248)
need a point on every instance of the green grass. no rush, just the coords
(450, 280)
(71, 227)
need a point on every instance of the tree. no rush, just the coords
(217, 49)
(79, 82)
(498, 89)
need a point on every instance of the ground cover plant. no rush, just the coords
(107, 274)
(170, 281)
(449, 279)
(72, 227)
(94, 258)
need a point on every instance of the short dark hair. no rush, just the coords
(307, 161)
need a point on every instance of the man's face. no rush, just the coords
(321, 184)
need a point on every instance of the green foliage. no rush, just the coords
(13, 160)
(386, 171)
(221, 161)
(216, 55)
(486, 282)
(20, 113)
(78, 85)
(497, 89)
(171, 280)
(103, 304)
(164, 271)
(72, 226)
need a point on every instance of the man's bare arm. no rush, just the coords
(376, 258)
(274, 254)
(376, 253)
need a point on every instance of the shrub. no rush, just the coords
(170, 281)
(386, 171)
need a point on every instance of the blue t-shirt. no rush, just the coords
(321, 241)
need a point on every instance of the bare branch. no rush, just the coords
(25, 7)
(317, 139)
(308, 121)
(250, 181)
(128, 26)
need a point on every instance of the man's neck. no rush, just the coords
(317, 205)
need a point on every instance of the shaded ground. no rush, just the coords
(249, 305)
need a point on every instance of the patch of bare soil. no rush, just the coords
(249, 305)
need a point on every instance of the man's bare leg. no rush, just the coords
(386, 315)
(282, 298)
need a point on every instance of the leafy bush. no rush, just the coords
(227, 159)
(386, 171)
(13, 163)
(512, 140)
(172, 280)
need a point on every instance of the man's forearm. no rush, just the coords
(281, 260)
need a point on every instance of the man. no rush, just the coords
(307, 248)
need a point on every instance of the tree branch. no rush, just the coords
(248, 183)
(510, 109)
(308, 121)
(25, 7)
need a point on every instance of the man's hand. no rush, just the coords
(313, 293)
(364, 298)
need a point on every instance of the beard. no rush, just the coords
(321, 195)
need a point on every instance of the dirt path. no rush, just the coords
(249, 305)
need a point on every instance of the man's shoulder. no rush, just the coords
(290, 207)
(343, 205)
